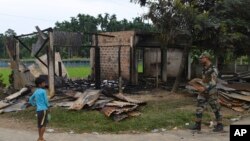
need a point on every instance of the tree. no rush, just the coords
(212, 24)
(234, 18)
(103, 21)
(10, 32)
(2, 47)
(7, 33)
(174, 19)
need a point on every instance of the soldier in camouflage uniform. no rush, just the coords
(208, 93)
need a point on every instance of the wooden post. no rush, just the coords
(235, 66)
(19, 82)
(119, 69)
(51, 65)
(216, 61)
(164, 62)
(22, 80)
(157, 68)
(97, 64)
(17, 55)
(189, 66)
(60, 69)
(143, 60)
(134, 71)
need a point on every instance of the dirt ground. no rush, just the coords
(177, 135)
(12, 123)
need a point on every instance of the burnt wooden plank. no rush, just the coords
(87, 98)
(238, 96)
(120, 104)
(128, 99)
(239, 86)
(17, 94)
(225, 88)
(4, 104)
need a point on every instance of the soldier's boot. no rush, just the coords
(218, 127)
(197, 126)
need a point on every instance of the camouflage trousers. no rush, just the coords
(203, 100)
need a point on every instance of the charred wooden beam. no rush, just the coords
(22, 43)
(17, 94)
(23, 35)
(97, 64)
(119, 69)
(25, 46)
(44, 43)
(51, 65)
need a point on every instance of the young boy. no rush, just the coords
(40, 100)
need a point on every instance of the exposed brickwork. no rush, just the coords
(109, 48)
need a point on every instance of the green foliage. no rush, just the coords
(2, 47)
(243, 60)
(5, 72)
(233, 18)
(2, 84)
(173, 19)
(195, 54)
(103, 23)
(213, 24)
(141, 2)
(9, 32)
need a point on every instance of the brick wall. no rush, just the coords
(109, 48)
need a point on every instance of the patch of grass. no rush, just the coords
(156, 114)
(74, 72)
(5, 75)
(79, 72)
(140, 69)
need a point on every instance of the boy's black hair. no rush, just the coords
(38, 81)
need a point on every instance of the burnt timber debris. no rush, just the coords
(78, 95)
(233, 90)
(114, 105)
(73, 94)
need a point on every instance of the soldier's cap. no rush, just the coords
(205, 54)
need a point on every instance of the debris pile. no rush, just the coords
(233, 93)
(235, 96)
(12, 103)
(80, 95)
(237, 77)
(116, 106)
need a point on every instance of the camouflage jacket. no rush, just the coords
(209, 78)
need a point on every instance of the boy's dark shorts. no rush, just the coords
(42, 118)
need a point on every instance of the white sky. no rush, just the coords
(23, 15)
